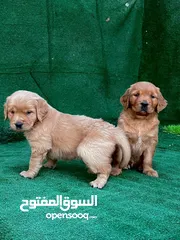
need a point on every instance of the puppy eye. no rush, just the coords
(12, 112)
(152, 96)
(136, 94)
(28, 112)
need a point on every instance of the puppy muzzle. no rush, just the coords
(144, 106)
(18, 125)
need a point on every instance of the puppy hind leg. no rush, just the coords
(116, 159)
(101, 179)
(102, 170)
(97, 163)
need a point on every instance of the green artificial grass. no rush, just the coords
(175, 129)
(131, 206)
(8, 135)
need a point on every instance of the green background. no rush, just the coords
(82, 56)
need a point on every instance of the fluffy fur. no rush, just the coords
(142, 102)
(53, 135)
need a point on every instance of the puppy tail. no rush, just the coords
(123, 151)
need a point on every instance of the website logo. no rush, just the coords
(63, 203)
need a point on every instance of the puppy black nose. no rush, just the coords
(19, 125)
(144, 103)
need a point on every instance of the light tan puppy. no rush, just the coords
(142, 102)
(53, 135)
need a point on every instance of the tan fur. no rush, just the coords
(141, 127)
(54, 135)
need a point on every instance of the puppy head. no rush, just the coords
(24, 109)
(143, 98)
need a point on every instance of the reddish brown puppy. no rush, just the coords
(142, 102)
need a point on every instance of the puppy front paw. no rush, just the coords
(27, 174)
(127, 167)
(116, 171)
(50, 164)
(151, 173)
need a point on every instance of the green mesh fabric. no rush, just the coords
(82, 56)
(79, 56)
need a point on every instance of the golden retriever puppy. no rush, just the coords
(53, 135)
(142, 102)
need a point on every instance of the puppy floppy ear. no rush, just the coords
(6, 109)
(125, 99)
(162, 103)
(42, 109)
